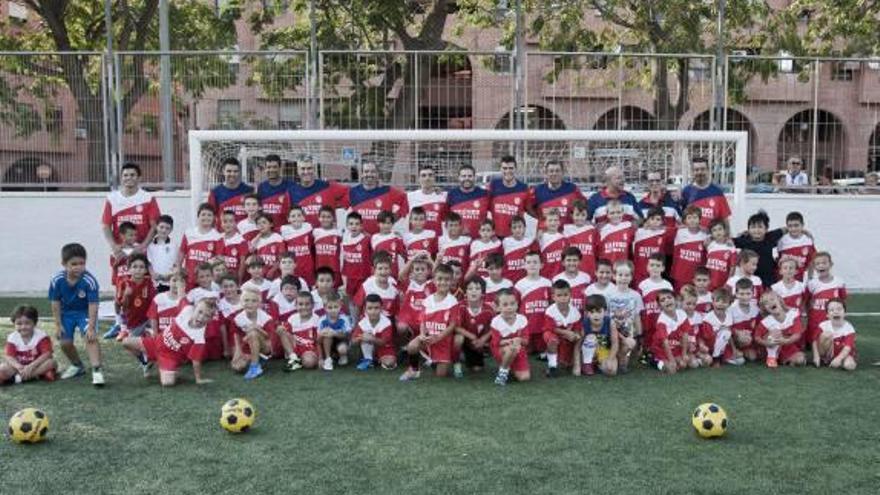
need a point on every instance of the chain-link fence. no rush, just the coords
(67, 120)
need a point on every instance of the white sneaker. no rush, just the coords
(98, 378)
(328, 364)
(72, 371)
(343, 360)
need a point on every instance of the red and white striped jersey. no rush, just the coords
(27, 352)
(801, 249)
(198, 247)
(820, 293)
(141, 209)
(434, 205)
(493, 287)
(392, 244)
(455, 249)
(551, 245)
(646, 243)
(479, 250)
(615, 241)
(720, 261)
(389, 295)
(328, 244)
(792, 296)
(688, 253)
(234, 249)
(299, 241)
(515, 251)
(578, 284)
(357, 263)
(586, 238)
(534, 299)
(438, 316)
(164, 309)
(269, 249)
(422, 242)
(757, 288)
(248, 229)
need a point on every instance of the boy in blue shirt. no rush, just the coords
(73, 293)
(334, 329)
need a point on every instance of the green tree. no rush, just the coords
(76, 26)
(649, 26)
(828, 27)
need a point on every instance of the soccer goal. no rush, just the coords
(399, 154)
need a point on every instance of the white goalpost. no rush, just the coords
(399, 153)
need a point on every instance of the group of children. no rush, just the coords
(585, 298)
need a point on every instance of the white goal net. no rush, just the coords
(399, 154)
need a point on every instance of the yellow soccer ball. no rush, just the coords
(237, 416)
(28, 426)
(709, 420)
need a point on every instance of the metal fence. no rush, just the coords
(68, 119)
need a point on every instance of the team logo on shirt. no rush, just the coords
(564, 202)
(184, 341)
(461, 252)
(281, 199)
(139, 208)
(234, 251)
(138, 303)
(436, 206)
(517, 201)
(318, 199)
(378, 202)
(476, 204)
(804, 251)
(711, 203)
(81, 294)
(210, 247)
(359, 247)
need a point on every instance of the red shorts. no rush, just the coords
(154, 353)
(213, 341)
(536, 343)
(441, 351)
(385, 351)
(565, 351)
(302, 347)
(519, 364)
(786, 352)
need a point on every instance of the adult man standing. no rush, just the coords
(704, 194)
(312, 193)
(555, 193)
(229, 195)
(795, 176)
(430, 198)
(369, 198)
(274, 192)
(469, 201)
(658, 197)
(509, 197)
(613, 189)
(131, 204)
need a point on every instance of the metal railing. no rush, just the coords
(67, 120)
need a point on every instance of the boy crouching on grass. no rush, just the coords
(28, 353)
(252, 329)
(375, 334)
(334, 329)
(510, 337)
(601, 343)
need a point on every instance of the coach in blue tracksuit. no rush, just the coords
(597, 205)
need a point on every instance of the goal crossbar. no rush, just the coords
(738, 138)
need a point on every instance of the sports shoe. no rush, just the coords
(552, 372)
(389, 367)
(147, 368)
(343, 360)
(457, 371)
(737, 361)
(327, 365)
(410, 375)
(542, 357)
(98, 378)
(113, 332)
(501, 378)
(427, 358)
(293, 363)
(772, 362)
(364, 364)
(588, 369)
(72, 371)
(254, 371)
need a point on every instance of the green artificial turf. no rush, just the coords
(791, 431)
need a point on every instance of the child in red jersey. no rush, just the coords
(134, 295)
(720, 322)
(247, 227)
(651, 238)
(583, 235)
(252, 327)
(616, 236)
(796, 244)
(325, 281)
(604, 279)
(455, 285)
(720, 254)
(700, 338)
(481, 248)
(650, 289)
(286, 268)
(576, 279)
(702, 281)
(669, 347)
(789, 287)
(820, 289)
(199, 244)
(551, 244)
(747, 264)
(300, 335)
(779, 333)
(28, 352)
(689, 248)
(119, 262)
(182, 342)
(515, 249)
(533, 292)
(328, 242)
(453, 246)
(298, 239)
(233, 247)
(167, 305)
(510, 336)
(836, 343)
(228, 306)
(440, 316)
(379, 283)
(268, 245)
(472, 337)
(745, 315)
(495, 281)
(389, 241)
(204, 282)
(419, 239)
(375, 335)
(355, 255)
(414, 280)
(563, 332)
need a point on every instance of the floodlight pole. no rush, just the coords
(720, 65)
(165, 108)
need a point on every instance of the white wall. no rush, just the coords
(34, 226)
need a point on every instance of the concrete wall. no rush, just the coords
(34, 226)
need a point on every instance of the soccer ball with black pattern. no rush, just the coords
(709, 420)
(28, 426)
(237, 416)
